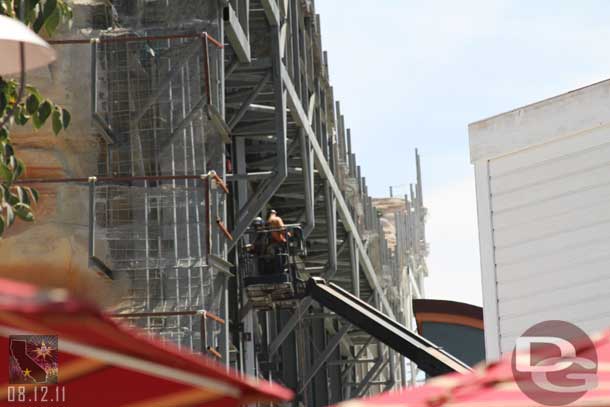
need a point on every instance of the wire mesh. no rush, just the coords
(152, 227)
(153, 238)
(152, 91)
(153, 97)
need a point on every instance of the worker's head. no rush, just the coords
(258, 222)
(272, 212)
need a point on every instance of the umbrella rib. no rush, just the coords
(140, 365)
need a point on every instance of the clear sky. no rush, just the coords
(415, 73)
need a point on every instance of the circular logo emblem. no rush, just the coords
(554, 363)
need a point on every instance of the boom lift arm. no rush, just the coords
(430, 358)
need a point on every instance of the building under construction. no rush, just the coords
(191, 119)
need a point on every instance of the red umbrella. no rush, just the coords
(103, 363)
(495, 385)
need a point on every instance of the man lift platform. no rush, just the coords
(273, 266)
(273, 263)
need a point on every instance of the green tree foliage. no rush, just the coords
(42, 16)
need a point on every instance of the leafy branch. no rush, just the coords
(44, 17)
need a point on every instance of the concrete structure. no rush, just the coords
(543, 191)
(172, 101)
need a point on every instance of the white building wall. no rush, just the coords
(543, 193)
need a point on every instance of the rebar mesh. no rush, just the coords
(152, 227)
(153, 90)
(153, 96)
(154, 238)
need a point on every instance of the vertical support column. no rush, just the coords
(289, 353)
(319, 384)
(203, 333)
(94, 43)
(355, 261)
(331, 225)
(280, 102)
(221, 170)
(307, 183)
(92, 217)
(247, 341)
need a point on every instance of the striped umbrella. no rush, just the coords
(96, 361)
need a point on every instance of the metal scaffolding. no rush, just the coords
(207, 116)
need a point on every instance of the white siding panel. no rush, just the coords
(539, 282)
(554, 189)
(548, 226)
(551, 234)
(537, 154)
(593, 306)
(555, 244)
(574, 163)
(555, 299)
(547, 189)
(581, 201)
(591, 325)
(572, 258)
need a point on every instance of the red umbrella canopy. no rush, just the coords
(496, 384)
(62, 352)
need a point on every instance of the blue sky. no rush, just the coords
(415, 73)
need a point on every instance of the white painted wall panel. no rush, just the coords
(547, 212)
(546, 226)
(557, 168)
(574, 312)
(537, 153)
(574, 258)
(552, 245)
(541, 282)
(580, 202)
(515, 305)
(554, 189)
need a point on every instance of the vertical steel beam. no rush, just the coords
(221, 170)
(355, 266)
(92, 217)
(271, 185)
(319, 383)
(247, 345)
(323, 357)
(308, 184)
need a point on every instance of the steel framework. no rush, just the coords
(206, 116)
